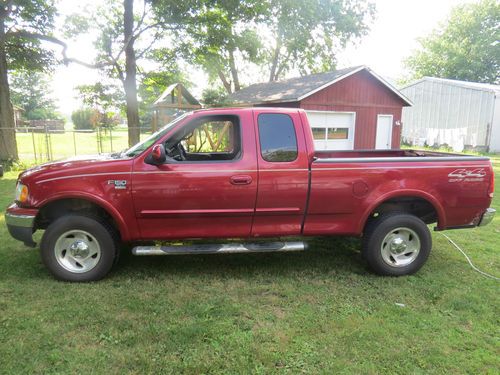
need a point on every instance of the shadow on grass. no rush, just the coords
(334, 256)
(339, 255)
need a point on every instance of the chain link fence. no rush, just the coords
(41, 144)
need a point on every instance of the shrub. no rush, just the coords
(82, 118)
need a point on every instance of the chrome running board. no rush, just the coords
(229, 248)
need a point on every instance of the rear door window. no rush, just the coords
(278, 141)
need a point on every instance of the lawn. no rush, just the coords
(319, 311)
(35, 147)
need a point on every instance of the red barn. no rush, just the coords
(348, 109)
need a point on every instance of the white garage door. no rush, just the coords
(332, 130)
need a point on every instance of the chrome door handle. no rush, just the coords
(241, 180)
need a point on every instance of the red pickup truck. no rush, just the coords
(245, 173)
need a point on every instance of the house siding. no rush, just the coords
(367, 97)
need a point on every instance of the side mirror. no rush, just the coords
(157, 156)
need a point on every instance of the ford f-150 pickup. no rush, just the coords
(240, 174)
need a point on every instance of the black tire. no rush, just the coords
(100, 235)
(390, 244)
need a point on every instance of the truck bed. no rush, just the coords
(390, 155)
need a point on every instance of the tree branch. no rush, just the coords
(54, 40)
(7, 9)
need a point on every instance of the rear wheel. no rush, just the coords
(396, 244)
(79, 248)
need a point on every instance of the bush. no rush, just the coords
(82, 119)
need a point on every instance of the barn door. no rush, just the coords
(332, 130)
(384, 132)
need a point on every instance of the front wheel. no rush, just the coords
(396, 244)
(79, 248)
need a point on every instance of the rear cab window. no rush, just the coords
(278, 141)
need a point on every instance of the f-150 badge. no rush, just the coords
(119, 184)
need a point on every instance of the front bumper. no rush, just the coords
(20, 223)
(487, 217)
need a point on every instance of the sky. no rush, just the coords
(393, 36)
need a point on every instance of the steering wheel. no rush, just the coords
(181, 152)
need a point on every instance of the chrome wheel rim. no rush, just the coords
(400, 247)
(77, 251)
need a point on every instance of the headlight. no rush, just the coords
(21, 193)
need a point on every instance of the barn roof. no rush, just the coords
(465, 84)
(299, 88)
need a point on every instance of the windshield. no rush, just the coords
(141, 146)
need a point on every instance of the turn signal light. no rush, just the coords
(21, 193)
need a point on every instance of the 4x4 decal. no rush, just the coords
(463, 174)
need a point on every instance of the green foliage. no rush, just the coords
(105, 100)
(225, 36)
(31, 91)
(33, 17)
(82, 118)
(307, 34)
(215, 97)
(214, 34)
(466, 47)
(101, 96)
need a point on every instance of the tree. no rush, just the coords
(466, 47)
(105, 100)
(23, 24)
(215, 97)
(214, 34)
(224, 37)
(31, 91)
(124, 37)
(306, 34)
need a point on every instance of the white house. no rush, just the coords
(463, 115)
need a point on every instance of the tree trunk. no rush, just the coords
(225, 82)
(8, 146)
(274, 65)
(234, 71)
(130, 83)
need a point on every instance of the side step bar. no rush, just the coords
(229, 248)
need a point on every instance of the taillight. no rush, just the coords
(491, 190)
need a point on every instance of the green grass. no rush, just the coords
(33, 147)
(312, 312)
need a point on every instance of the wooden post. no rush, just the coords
(179, 96)
(111, 139)
(34, 146)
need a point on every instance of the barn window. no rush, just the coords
(328, 134)
(338, 133)
(319, 133)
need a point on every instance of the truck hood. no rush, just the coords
(76, 165)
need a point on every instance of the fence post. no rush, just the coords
(34, 147)
(74, 141)
(47, 142)
(111, 139)
(97, 138)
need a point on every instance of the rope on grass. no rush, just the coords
(468, 259)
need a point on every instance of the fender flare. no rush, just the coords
(405, 193)
(106, 206)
